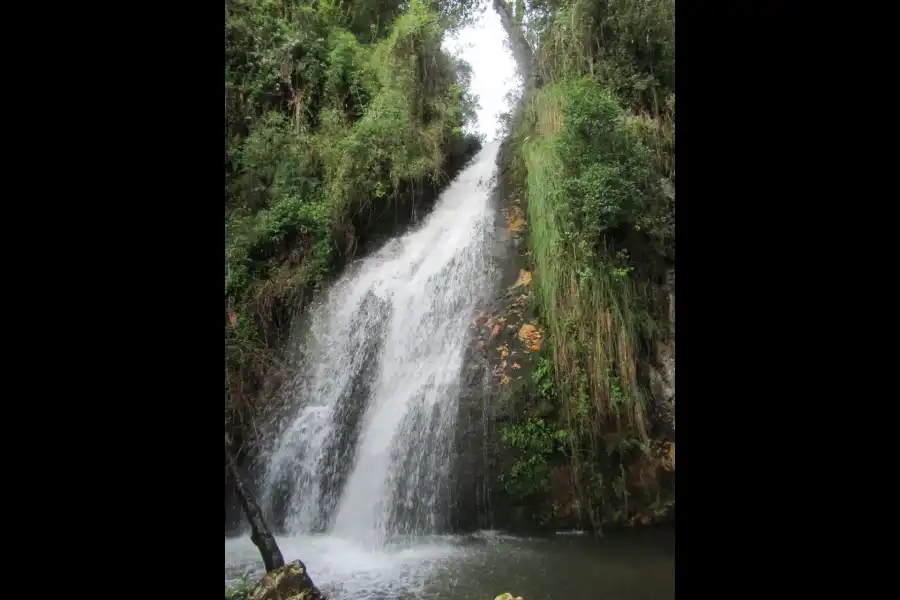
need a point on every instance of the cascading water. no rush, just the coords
(364, 452)
(368, 452)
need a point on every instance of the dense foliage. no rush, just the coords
(594, 157)
(339, 114)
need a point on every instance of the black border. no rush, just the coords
(160, 511)
(740, 97)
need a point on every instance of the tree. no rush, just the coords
(281, 580)
(259, 532)
(521, 49)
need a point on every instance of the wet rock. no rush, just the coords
(290, 582)
(525, 278)
(516, 219)
(532, 336)
(498, 386)
(668, 461)
(662, 385)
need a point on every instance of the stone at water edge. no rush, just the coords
(508, 596)
(290, 582)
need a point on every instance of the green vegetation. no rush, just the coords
(537, 442)
(242, 590)
(593, 153)
(341, 116)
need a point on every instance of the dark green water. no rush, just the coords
(562, 567)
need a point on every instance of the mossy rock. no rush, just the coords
(290, 582)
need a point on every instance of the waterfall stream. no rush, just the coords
(366, 455)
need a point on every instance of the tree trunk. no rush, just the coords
(521, 49)
(259, 532)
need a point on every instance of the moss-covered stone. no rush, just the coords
(290, 582)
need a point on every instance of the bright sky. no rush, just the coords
(493, 67)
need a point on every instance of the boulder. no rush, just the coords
(290, 582)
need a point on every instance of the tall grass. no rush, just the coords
(590, 308)
(594, 153)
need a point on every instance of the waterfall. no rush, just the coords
(366, 451)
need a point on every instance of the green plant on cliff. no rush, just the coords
(337, 113)
(535, 442)
(543, 379)
(594, 154)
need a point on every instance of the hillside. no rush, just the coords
(579, 349)
(343, 120)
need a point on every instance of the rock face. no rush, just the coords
(290, 582)
(497, 388)
(662, 365)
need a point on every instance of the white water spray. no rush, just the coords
(380, 385)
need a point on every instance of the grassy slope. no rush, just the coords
(593, 154)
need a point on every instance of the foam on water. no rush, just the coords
(345, 568)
